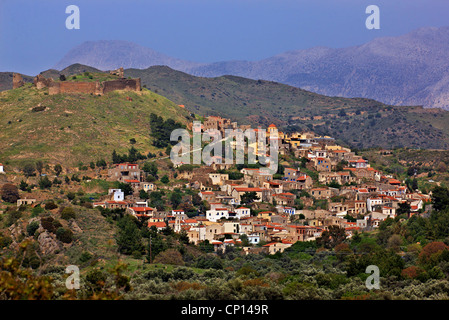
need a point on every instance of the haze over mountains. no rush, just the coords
(412, 69)
(109, 55)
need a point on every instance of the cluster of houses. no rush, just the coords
(283, 208)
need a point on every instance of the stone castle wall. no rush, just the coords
(77, 87)
(94, 87)
(68, 87)
(122, 84)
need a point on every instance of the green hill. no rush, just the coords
(74, 69)
(357, 122)
(360, 123)
(71, 128)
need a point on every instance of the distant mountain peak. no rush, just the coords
(112, 54)
(411, 69)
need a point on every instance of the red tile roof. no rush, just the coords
(116, 202)
(142, 209)
(248, 189)
(156, 224)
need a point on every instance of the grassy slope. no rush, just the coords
(264, 102)
(368, 123)
(247, 100)
(77, 127)
(424, 161)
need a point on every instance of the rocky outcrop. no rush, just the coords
(47, 243)
(75, 228)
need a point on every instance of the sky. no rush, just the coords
(34, 37)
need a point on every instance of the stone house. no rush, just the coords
(321, 193)
(125, 171)
(278, 246)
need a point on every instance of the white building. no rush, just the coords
(118, 194)
(242, 212)
(289, 210)
(371, 202)
(253, 239)
(217, 214)
(177, 212)
(141, 204)
(1, 168)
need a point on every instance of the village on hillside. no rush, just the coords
(264, 212)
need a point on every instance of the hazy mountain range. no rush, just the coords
(411, 69)
(112, 54)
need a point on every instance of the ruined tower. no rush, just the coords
(118, 72)
(41, 82)
(17, 80)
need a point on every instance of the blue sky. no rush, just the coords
(33, 36)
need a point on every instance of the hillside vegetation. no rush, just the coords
(360, 123)
(356, 122)
(67, 129)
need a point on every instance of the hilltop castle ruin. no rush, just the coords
(17, 81)
(93, 87)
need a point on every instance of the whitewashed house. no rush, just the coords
(117, 194)
(217, 214)
(242, 212)
(254, 238)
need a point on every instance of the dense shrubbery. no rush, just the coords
(68, 213)
(161, 130)
(9, 193)
(65, 235)
(50, 224)
(32, 227)
(50, 205)
(128, 236)
(132, 156)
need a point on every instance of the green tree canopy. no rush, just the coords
(129, 238)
